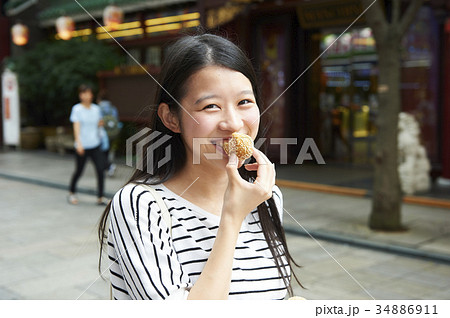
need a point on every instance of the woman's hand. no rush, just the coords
(241, 196)
(80, 149)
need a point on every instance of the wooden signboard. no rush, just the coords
(319, 14)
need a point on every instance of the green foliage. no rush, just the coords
(50, 73)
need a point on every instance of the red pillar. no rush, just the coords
(446, 105)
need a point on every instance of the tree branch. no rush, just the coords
(409, 16)
(396, 11)
(376, 18)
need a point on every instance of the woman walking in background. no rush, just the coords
(112, 129)
(224, 237)
(87, 122)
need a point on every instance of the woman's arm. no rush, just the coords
(214, 281)
(76, 135)
(241, 198)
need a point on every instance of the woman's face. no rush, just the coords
(221, 101)
(86, 96)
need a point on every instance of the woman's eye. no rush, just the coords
(211, 106)
(245, 101)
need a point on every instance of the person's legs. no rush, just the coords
(98, 158)
(110, 167)
(80, 162)
(106, 159)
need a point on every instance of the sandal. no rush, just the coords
(72, 199)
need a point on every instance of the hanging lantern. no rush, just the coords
(19, 33)
(64, 27)
(112, 17)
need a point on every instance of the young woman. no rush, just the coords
(87, 121)
(226, 239)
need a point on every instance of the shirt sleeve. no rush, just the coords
(75, 115)
(278, 198)
(144, 247)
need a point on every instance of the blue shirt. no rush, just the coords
(108, 109)
(88, 119)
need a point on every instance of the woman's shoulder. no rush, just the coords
(133, 191)
(133, 195)
(96, 107)
(277, 192)
(76, 106)
(277, 196)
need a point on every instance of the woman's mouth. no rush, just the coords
(218, 143)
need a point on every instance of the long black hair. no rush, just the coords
(184, 58)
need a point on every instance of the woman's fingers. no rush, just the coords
(265, 172)
(265, 179)
(251, 166)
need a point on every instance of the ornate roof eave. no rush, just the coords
(18, 7)
(97, 13)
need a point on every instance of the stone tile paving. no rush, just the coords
(49, 249)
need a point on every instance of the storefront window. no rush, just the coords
(420, 77)
(348, 102)
(153, 55)
(135, 56)
(348, 98)
(271, 55)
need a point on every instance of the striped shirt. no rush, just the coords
(149, 263)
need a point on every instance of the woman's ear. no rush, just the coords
(169, 118)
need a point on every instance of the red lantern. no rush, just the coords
(19, 33)
(65, 26)
(112, 17)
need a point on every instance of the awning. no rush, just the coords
(77, 9)
(14, 7)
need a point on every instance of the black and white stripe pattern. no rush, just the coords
(146, 263)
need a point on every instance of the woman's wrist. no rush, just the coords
(231, 222)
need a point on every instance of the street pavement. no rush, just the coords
(49, 249)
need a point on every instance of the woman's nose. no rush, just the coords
(231, 121)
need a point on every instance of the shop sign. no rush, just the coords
(319, 14)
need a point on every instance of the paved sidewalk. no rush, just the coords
(49, 250)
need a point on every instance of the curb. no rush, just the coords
(378, 246)
(426, 201)
(51, 184)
